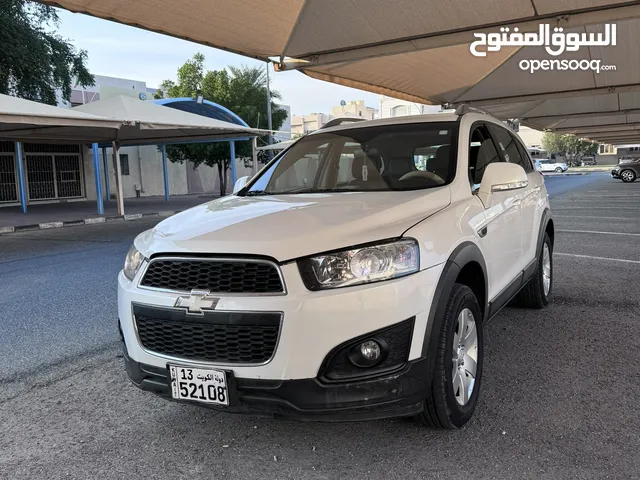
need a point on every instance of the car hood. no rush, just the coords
(286, 227)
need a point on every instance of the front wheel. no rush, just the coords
(558, 170)
(628, 176)
(458, 363)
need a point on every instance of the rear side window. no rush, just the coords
(508, 145)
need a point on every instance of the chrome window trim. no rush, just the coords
(214, 259)
(187, 361)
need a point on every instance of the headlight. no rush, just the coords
(356, 266)
(132, 263)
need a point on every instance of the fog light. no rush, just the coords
(370, 350)
(368, 353)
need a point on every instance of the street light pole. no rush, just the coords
(269, 125)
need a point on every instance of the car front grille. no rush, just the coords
(214, 275)
(217, 337)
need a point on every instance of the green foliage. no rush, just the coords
(243, 90)
(568, 145)
(34, 60)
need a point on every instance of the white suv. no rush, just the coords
(350, 279)
(548, 165)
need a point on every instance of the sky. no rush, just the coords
(121, 51)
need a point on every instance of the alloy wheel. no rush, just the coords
(546, 269)
(464, 356)
(627, 175)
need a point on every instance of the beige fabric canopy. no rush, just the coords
(147, 122)
(24, 120)
(419, 49)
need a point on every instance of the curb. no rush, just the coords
(84, 221)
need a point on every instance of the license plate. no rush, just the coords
(199, 385)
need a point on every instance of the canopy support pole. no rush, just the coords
(232, 146)
(23, 192)
(254, 154)
(163, 148)
(105, 164)
(96, 168)
(116, 160)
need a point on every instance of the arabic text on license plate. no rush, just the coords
(199, 385)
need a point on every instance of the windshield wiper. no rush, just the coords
(256, 193)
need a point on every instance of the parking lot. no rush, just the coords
(559, 399)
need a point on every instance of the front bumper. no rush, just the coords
(399, 394)
(615, 173)
(313, 323)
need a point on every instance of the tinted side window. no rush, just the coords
(507, 144)
(526, 159)
(482, 152)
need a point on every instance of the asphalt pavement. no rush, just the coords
(559, 398)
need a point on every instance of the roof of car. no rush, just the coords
(435, 117)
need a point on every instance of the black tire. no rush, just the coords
(532, 294)
(628, 176)
(558, 170)
(441, 409)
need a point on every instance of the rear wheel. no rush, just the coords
(536, 293)
(458, 363)
(628, 176)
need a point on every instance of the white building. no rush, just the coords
(355, 108)
(392, 107)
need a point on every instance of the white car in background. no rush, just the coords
(548, 165)
(350, 279)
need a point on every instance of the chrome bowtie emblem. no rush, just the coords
(197, 301)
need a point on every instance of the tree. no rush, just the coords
(34, 60)
(568, 146)
(243, 90)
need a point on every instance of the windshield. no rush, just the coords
(396, 157)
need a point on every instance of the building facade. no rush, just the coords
(355, 108)
(303, 124)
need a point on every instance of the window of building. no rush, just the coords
(124, 164)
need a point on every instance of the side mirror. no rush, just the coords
(501, 177)
(240, 183)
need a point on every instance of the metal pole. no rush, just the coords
(163, 148)
(254, 150)
(105, 164)
(269, 124)
(232, 146)
(96, 168)
(116, 160)
(23, 192)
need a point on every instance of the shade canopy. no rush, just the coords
(24, 120)
(419, 50)
(148, 123)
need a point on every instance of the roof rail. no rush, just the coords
(340, 120)
(465, 108)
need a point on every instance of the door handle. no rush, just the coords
(482, 232)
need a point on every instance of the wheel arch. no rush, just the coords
(465, 265)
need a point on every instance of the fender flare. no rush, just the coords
(546, 219)
(463, 254)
